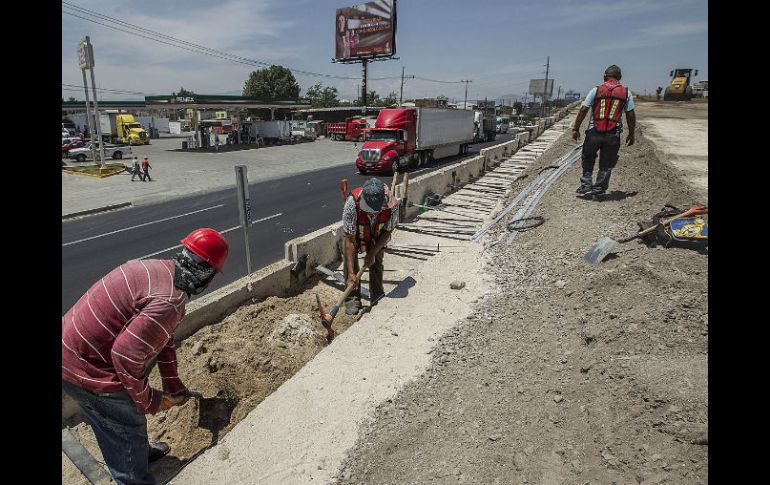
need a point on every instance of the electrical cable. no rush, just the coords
(198, 49)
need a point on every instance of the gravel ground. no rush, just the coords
(567, 374)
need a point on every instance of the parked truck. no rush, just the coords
(302, 131)
(275, 132)
(484, 126)
(413, 137)
(123, 128)
(503, 122)
(352, 129)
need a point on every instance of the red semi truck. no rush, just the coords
(413, 137)
(352, 129)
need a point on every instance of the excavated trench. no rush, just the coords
(235, 364)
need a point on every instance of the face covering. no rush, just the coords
(192, 274)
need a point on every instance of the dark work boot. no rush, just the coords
(602, 183)
(585, 183)
(158, 450)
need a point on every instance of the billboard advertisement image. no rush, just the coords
(365, 31)
(536, 86)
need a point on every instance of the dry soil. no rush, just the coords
(568, 374)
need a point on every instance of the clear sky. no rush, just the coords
(498, 44)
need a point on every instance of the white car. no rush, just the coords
(115, 152)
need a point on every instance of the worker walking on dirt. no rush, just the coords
(369, 216)
(123, 322)
(607, 102)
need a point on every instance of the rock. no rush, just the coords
(558, 398)
(457, 285)
(297, 329)
(560, 284)
(494, 437)
(198, 348)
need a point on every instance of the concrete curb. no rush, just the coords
(94, 211)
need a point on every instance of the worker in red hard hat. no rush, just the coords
(123, 322)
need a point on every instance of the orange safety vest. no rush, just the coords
(611, 98)
(364, 234)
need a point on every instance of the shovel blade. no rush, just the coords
(603, 248)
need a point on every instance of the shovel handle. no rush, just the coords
(350, 287)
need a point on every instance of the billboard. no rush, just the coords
(536, 87)
(365, 31)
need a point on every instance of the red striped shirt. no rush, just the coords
(122, 322)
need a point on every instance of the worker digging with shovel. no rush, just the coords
(368, 219)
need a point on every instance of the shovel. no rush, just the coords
(328, 318)
(214, 412)
(605, 246)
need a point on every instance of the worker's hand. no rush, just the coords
(575, 134)
(351, 279)
(630, 139)
(369, 261)
(168, 401)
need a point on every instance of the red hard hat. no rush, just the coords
(209, 245)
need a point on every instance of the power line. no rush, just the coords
(195, 48)
(119, 91)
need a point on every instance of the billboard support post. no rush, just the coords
(364, 64)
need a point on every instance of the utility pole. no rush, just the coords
(545, 87)
(465, 103)
(401, 96)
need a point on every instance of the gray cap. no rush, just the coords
(372, 195)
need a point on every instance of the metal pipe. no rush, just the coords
(535, 183)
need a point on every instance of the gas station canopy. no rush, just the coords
(195, 101)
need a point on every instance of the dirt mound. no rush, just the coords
(569, 373)
(299, 330)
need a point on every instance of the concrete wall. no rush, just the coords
(323, 247)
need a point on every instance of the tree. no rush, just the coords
(70, 99)
(183, 93)
(271, 82)
(390, 100)
(323, 97)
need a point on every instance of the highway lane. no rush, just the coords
(282, 209)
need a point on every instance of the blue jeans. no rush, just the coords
(120, 430)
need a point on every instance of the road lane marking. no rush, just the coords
(140, 225)
(221, 232)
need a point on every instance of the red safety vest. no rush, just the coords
(364, 234)
(611, 98)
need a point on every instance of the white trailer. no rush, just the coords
(275, 131)
(444, 132)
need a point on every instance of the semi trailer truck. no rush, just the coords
(413, 137)
(123, 128)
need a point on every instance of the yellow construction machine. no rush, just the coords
(680, 89)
